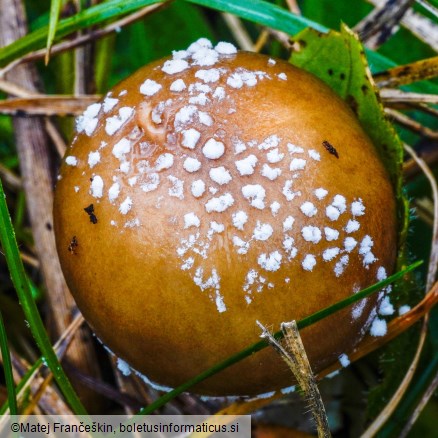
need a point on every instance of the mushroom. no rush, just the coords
(212, 189)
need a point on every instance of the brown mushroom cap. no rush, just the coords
(219, 189)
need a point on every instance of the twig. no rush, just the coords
(395, 96)
(239, 32)
(382, 22)
(9, 178)
(83, 39)
(411, 124)
(427, 395)
(56, 137)
(296, 358)
(293, 7)
(261, 41)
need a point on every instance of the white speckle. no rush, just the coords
(274, 156)
(357, 208)
(270, 173)
(404, 309)
(235, 81)
(190, 138)
(246, 166)
(340, 266)
(93, 158)
(76, 189)
(220, 175)
(330, 254)
(365, 250)
(191, 220)
(177, 86)
(320, 193)
(177, 189)
(213, 190)
(239, 219)
(153, 180)
(198, 87)
(287, 191)
(255, 193)
(272, 61)
(71, 161)
(344, 360)
(204, 118)
(288, 246)
(191, 164)
(381, 274)
(288, 390)
(386, 308)
(113, 192)
(332, 213)
(311, 234)
(352, 226)
(350, 243)
(293, 149)
(216, 227)
(308, 209)
(173, 66)
(133, 223)
(150, 87)
(109, 103)
(219, 204)
(241, 244)
(314, 155)
(121, 148)
(88, 120)
(309, 262)
(282, 76)
(180, 54)
(113, 124)
(103, 144)
(358, 309)
(164, 161)
(270, 262)
(288, 223)
(123, 93)
(125, 166)
(262, 231)
(331, 234)
(198, 44)
(213, 149)
(275, 207)
(219, 93)
(198, 188)
(126, 205)
(378, 327)
(239, 146)
(188, 264)
(270, 142)
(200, 99)
(211, 75)
(96, 188)
(205, 57)
(123, 367)
(220, 305)
(297, 164)
(185, 115)
(225, 48)
(339, 202)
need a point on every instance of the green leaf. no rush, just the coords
(24, 292)
(55, 8)
(7, 367)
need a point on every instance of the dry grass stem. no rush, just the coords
(10, 179)
(411, 124)
(238, 31)
(293, 7)
(261, 40)
(407, 74)
(56, 137)
(391, 96)
(423, 402)
(295, 356)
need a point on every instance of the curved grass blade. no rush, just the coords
(18, 276)
(254, 348)
(89, 17)
(55, 8)
(7, 367)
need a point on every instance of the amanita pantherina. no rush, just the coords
(213, 189)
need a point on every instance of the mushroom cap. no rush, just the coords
(212, 190)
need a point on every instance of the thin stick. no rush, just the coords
(389, 95)
(56, 137)
(296, 358)
(411, 124)
(239, 32)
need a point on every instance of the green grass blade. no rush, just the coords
(90, 17)
(254, 348)
(55, 8)
(21, 384)
(18, 276)
(7, 367)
